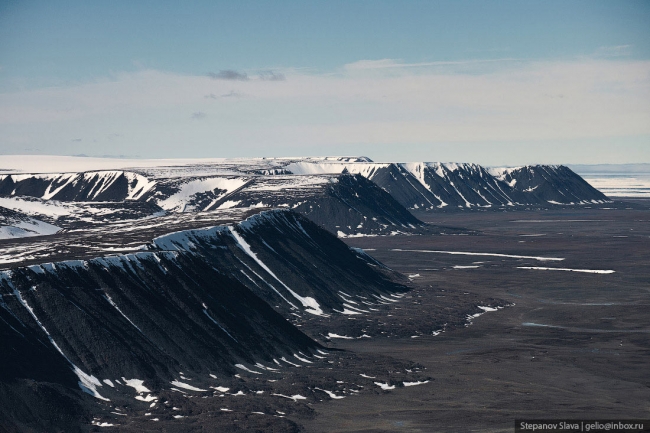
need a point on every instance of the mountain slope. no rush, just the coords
(547, 183)
(200, 303)
(15, 224)
(348, 196)
(431, 185)
(86, 186)
(344, 203)
(287, 260)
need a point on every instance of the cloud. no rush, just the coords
(232, 94)
(272, 76)
(393, 63)
(76, 140)
(500, 101)
(614, 51)
(228, 74)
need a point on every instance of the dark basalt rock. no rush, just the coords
(359, 198)
(345, 203)
(356, 205)
(88, 186)
(197, 302)
(301, 257)
(545, 184)
(446, 186)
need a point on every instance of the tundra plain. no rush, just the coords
(570, 344)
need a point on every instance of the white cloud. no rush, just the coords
(614, 51)
(393, 63)
(367, 102)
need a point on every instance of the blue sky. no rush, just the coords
(489, 82)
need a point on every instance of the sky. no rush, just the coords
(497, 83)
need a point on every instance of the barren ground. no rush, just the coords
(573, 345)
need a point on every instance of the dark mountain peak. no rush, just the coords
(553, 184)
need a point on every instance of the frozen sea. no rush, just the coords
(620, 184)
(625, 180)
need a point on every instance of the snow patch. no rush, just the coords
(148, 398)
(29, 227)
(295, 397)
(331, 394)
(384, 386)
(180, 200)
(228, 204)
(136, 384)
(221, 389)
(243, 367)
(464, 253)
(587, 271)
(415, 383)
(186, 386)
(345, 337)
